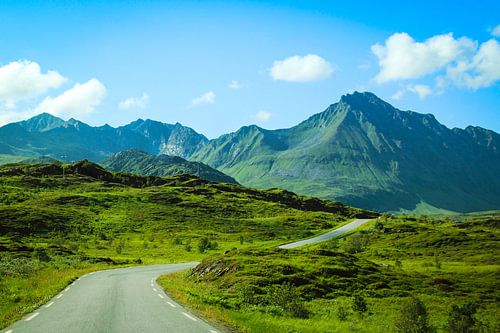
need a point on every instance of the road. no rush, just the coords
(326, 236)
(116, 300)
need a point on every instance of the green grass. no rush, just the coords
(91, 219)
(443, 262)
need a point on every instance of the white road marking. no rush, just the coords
(49, 305)
(161, 296)
(152, 285)
(155, 289)
(67, 289)
(9, 331)
(32, 316)
(91, 273)
(190, 317)
(212, 331)
(171, 304)
(61, 295)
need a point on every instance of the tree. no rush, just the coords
(461, 319)
(287, 297)
(413, 318)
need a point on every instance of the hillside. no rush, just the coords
(358, 283)
(142, 163)
(59, 221)
(361, 151)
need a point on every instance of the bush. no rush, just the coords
(461, 319)
(359, 304)
(287, 297)
(41, 254)
(205, 244)
(413, 318)
(355, 244)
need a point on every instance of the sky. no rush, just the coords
(218, 65)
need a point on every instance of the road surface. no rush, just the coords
(116, 300)
(329, 235)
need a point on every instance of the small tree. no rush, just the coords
(203, 245)
(359, 304)
(413, 318)
(461, 319)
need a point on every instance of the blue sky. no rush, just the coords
(218, 65)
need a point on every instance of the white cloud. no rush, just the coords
(235, 85)
(496, 31)
(482, 70)
(301, 69)
(403, 58)
(9, 116)
(206, 98)
(397, 95)
(135, 103)
(24, 79)
(78, 101)
(421, 90)
(263, 116)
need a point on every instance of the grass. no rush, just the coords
(442, 261)
(90, 219)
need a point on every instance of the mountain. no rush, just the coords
(46, 135)
(361, 151)
(367, 153)
(139, 162)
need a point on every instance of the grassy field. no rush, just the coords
(56, 225)
(441, 261)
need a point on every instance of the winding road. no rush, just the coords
(116, 300)
(328, 235)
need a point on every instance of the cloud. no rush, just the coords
(482, 70)
(403, 58)
(206, 98)
(9, 116)
(263, 116)
(421, 90)
(135, 103)
(301, 69)
(78, 101)
(24, 79)
(234, 85)
(398, 94)
(495, 32)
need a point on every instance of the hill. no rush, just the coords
(142, 163)
(59, 221)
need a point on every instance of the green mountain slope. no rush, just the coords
(139, 162)
(364, 152)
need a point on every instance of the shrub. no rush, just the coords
(205, 244)
(287, 297)
(41, 254)
(355, 244)
(413, 318)
(461, 319)
(359, 304)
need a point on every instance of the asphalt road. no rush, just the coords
(116, 300)
(326, 236)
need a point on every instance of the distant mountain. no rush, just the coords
(142, 163)
(361, 151)
(46, 135)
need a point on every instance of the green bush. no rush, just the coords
(359, 304)
(41, 254)
(287, 297)
(461, 319)
(413, 317)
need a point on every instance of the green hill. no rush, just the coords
(142, 163)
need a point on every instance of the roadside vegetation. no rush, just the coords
(396, 274)
(59, 221)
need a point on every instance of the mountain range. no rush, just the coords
(360, 150)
